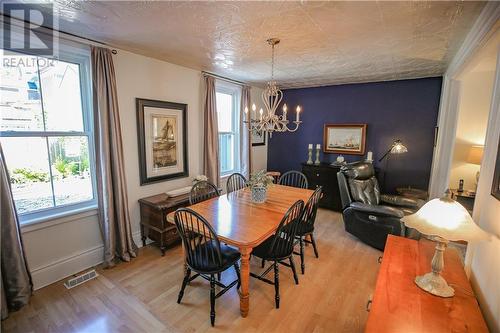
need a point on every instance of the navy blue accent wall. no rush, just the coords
(405, 110)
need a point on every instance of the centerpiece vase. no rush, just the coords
(259, 194)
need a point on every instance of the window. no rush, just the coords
(46, 133)
(228, 107)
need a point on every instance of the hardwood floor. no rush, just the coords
(140, 296)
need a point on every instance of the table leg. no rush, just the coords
(245, 277)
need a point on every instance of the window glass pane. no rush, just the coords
(28, 165)
(61, 96)
(224, 111)
(70, 169)
(20, 103)
(226, 152)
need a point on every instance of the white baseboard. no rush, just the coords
(64, 267)
(70, 265)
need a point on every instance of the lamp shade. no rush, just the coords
(447, 219)
(398, 147)
(475, 155)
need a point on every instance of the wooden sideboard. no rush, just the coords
(400, 306)
(324, 175)
(154, 224)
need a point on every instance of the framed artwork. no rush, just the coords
(162, 136)
(258, 138)
(344, 138)
(495, 187)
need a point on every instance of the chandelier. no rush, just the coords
(269, 121)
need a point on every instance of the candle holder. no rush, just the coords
(310, 153)
(317, 161)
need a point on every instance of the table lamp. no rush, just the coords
(474, 157)
(397, 148)
(444, 220)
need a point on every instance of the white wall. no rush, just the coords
(483, 258)
(476, 89)
(59, 248)
(259, 153)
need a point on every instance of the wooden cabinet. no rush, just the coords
(400, 306)
(154, 224)
(324, 175)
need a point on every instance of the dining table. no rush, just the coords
(244, 224)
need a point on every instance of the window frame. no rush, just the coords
(79, 55)
(235, 92)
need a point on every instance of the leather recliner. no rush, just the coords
(367, 214)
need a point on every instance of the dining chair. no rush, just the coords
(293, 178)
(279, 247)
(205, 255)
(306, 226)
(235, 182)
(202, 191)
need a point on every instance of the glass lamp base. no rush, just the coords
(435, 284)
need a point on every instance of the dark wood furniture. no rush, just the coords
(400, 306)
(411, 192)
(293, 178)
(243, 224)
(154, 224)
(465, 198)
(324, 175)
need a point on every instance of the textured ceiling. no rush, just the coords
(321, 42)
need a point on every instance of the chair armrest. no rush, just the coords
(401, 201)
(378, 210)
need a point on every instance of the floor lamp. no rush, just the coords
(397, 147)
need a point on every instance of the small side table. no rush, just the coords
(411, 192)
(466, 198)
(154, 224)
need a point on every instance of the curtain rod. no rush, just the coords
(65, 35)
(224, 78)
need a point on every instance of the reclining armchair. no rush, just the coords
(367, 214)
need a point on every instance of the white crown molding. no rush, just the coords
(477, 36)
(486, 23)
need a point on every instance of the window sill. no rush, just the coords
(52, 220)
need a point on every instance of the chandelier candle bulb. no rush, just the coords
(284, 111)
(298, 113)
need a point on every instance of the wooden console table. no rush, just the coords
(154, 224)
(400, 306)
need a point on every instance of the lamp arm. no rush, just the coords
(387, 152)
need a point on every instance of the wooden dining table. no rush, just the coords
(241, 223)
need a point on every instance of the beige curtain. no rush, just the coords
(211, 135)
(16, 285)
(114, 216)
(245, 137)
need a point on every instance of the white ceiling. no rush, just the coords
(321, 42)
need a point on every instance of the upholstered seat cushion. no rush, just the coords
(229, 257)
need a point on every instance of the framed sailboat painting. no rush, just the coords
(162, 138)
(344, 138)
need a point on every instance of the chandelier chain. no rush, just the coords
(272, 64)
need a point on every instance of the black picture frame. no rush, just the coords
(261, 142)
(495, 186)
(141, 104)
